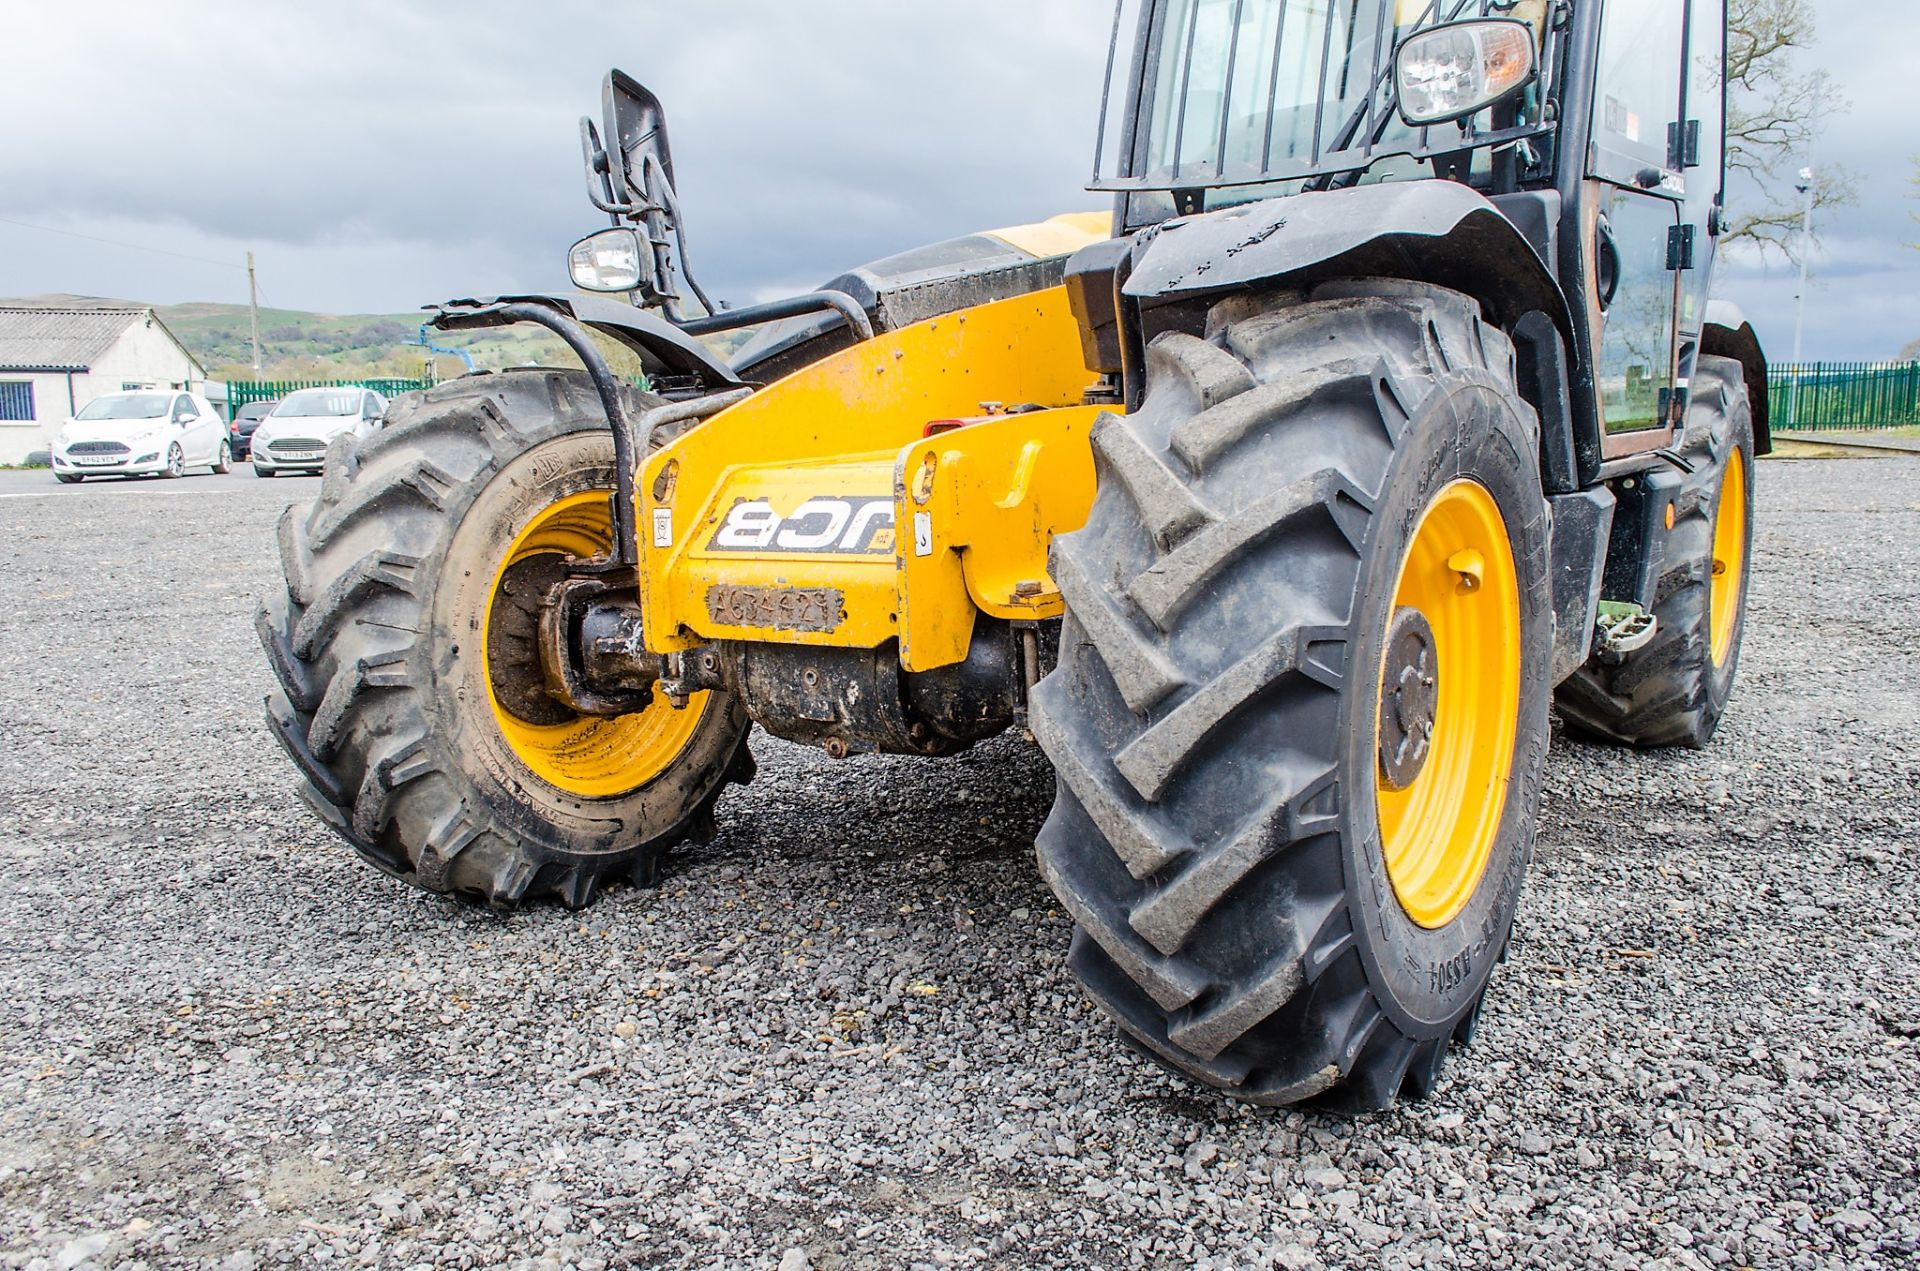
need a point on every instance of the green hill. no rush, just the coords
(297, 345)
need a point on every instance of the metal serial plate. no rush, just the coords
(781, 608)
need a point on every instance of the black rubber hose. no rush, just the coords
(625, 537)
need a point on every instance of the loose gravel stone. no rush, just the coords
(842, 1034)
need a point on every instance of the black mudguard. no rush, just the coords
(665, 351)
(1729, 334)
(1438, 232)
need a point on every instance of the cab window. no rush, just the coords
(1637, 98)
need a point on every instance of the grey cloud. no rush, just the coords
(381, 155)
(807, 137)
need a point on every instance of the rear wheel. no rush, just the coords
(223, 462)
(410, 687)
(1299, 717)
(1674, 690)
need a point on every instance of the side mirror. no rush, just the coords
(631, 177)
(1448, 72)
(636, 126)
(182, 417)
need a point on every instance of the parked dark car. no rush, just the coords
(240, 427)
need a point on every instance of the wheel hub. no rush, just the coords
(513, 644)
(587, 756)
(1409, 696)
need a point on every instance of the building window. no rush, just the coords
(16, 399)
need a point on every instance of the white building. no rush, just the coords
(54, 361)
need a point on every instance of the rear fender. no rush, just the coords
(1438, 232)
(1729, 334)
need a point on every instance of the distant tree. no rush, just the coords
(1775, 113)
(379, 334)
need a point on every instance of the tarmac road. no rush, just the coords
(31, 481)
(842, 1034)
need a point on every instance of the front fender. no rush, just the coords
(1439, 232)
(663, 348)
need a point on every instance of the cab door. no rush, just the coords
(1635, 187)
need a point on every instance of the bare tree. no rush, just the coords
(1775, 112)
(1915, 196)
(1912, 352)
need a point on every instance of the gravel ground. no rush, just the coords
(842, 1036)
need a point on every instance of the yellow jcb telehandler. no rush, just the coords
(1385, 407)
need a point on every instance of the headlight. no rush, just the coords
(607, 261)
(1450, 72)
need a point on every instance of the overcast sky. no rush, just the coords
(377, 156)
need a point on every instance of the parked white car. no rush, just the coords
(294, 438)
(143, 433)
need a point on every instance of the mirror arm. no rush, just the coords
(671, 198)
(599, 173)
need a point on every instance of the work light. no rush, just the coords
(1450, 72)
(607, 261)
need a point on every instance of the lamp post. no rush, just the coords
(1805, 187)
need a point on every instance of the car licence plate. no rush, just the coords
(297, 456)
(97, 461)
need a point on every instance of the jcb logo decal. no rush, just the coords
(855, 527)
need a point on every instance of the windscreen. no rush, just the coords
(311, 402)
(131, 406)
(1226, 92)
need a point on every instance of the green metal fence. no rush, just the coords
(240, 392)
(1844, 395)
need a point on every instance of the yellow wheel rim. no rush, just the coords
(592, 756)
(1457, 609)
(1729, 557)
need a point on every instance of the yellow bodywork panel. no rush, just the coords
(979, 505)
(818, 512)
(1058, 235)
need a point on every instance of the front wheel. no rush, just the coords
(176, 463)
(68, 478)
(259, 471)
(404, 642)
(1300, 714)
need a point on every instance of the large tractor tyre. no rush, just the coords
(405, 647)
(1300, 713)
(1673, 690)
